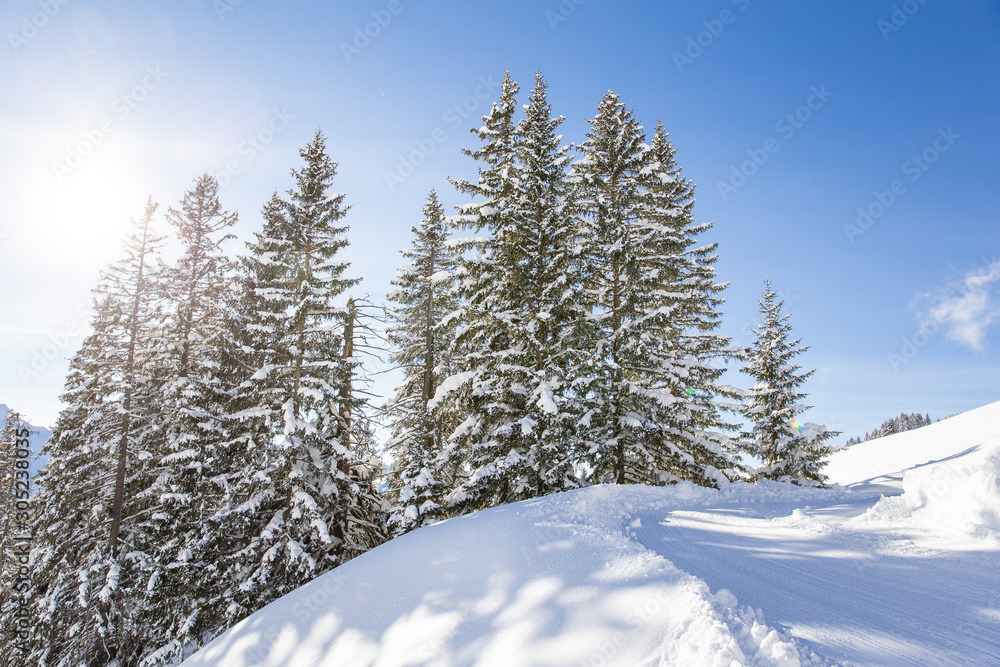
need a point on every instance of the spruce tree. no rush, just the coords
(91, 556)
(304, 500)
(422, 333)
(682, 266)
(789, 450)
(609, 184)
(192, 467)
(652, 413)
(519, 302)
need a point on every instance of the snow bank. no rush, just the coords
(947, 473)
(958, 497)
(559, 580)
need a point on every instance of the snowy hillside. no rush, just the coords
(882, 461)
(748, 575)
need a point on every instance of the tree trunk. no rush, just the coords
(129, 380)
(346, 389)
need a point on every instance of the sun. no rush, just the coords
(80, 217)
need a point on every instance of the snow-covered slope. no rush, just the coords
(555, 581)
(970, 435)
(748, 575)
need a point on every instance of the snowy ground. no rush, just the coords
(749, 575)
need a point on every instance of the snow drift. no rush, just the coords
(960, 496)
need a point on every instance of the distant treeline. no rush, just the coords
(903, 422)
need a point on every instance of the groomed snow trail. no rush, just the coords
(909, 579)
(864, 597)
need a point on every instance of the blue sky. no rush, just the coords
(789, 117)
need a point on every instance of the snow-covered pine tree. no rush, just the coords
(519, 306)
(682, 269)
(790, 451)
(192, 467)
(304, 500)
(900, 424)
(609, 188)
(422, 334)
(89, 563)
(652, 389)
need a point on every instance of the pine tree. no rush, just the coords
(790, 450)
(652, 394)
(519, 307)
(88, 566)
(422, 333)
(684, 280)
(610, 192)
(304, 500)
(191, 465)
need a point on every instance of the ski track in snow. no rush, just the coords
(865, 598)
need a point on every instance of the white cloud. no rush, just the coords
(966, 306)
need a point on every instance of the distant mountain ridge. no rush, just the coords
(37, 441)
